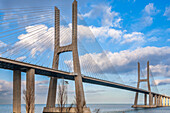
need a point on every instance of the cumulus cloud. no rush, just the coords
(161, 82)
(147, 17)
(104, 33)
(39, 38)
(167, 12)
(153, 39)
(150, 9)
(2, 44)
(5, 88)
(21, 58)
(109, 18)
(160, 70)
(123, 61)
(134, 36)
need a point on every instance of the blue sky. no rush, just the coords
(113, 36)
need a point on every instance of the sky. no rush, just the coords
(113, 35)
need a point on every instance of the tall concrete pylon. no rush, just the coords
(51, 99)
(80, 98)
(149, 89)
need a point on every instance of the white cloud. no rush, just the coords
(123, 61)
(21, 58)
(147, 17)
(37, 39)
(160, 69)
(6, 90)
(40, 38)
(2, 44)
(150, 9)
(5, 87)
(153, 39)
(134, 36)
(105, 32)
(167, 12)
(109, 18)
(161, 82)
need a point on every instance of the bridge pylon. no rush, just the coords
(151, 105)
(80, 98)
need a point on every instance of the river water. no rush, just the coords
(104, 108)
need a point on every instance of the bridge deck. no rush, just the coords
(17, 65)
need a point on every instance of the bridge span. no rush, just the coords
(31, 69)
(22, 66)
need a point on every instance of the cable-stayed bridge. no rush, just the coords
(35, 41)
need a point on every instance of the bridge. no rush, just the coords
(54, 73)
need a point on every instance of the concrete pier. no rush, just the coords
(163, 101)
(155, 97)
(30, 89)
(16, 91)
(145, 99)
(166, 101)
(150, 99)
(158, 100)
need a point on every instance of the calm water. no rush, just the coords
(104, 108)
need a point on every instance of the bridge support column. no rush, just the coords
(150, 99)
(166, 101)
(30, 90)
(145, 99)
(158, 100)
(51, 99)
(155, 97)
(16, 91)
(80, 98)
(163, 101)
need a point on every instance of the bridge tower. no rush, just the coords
(149, 90)
(80, 98)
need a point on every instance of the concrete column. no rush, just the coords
(16, 91)
(30, 89)
(136, 96)
(52, 93)
(155, 99)
(166, 101)
(169, 102)
(145, 99)
(158, 101)
(150, 99)
(163, 101)
(80, 99)
(51, 99)
(148, 76)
